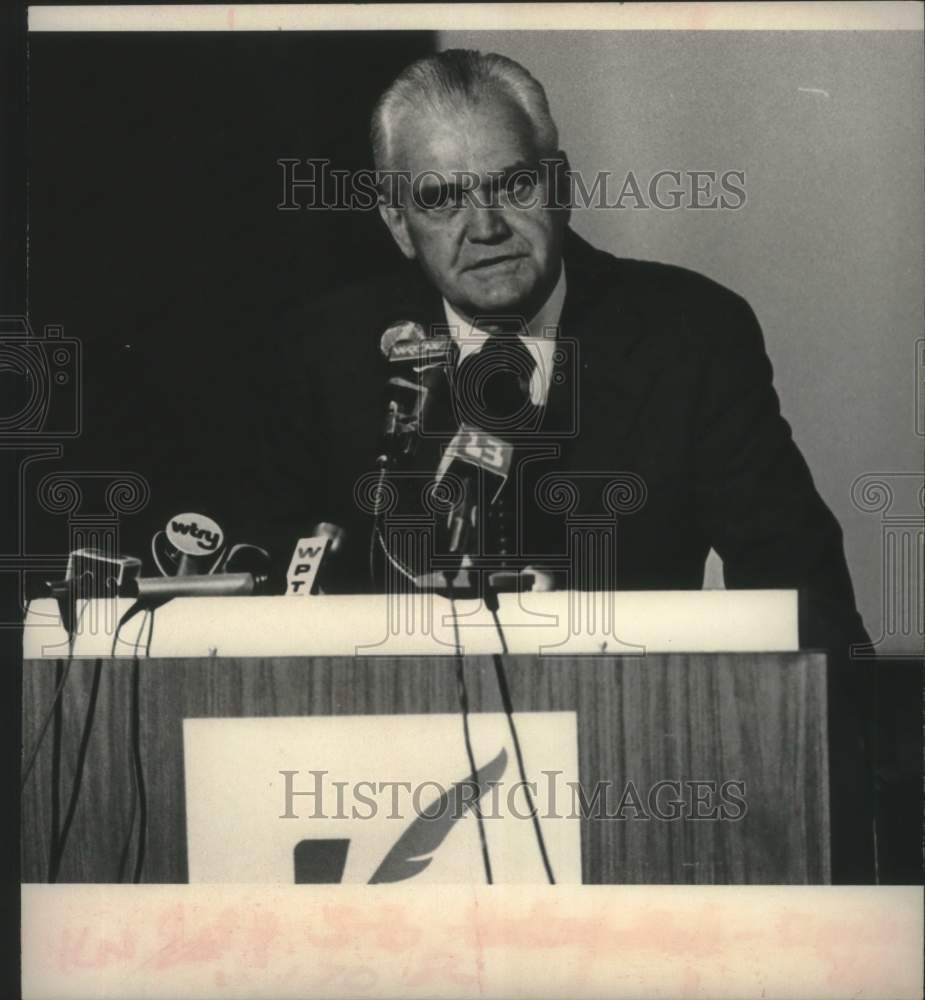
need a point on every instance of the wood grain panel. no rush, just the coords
(759, 719)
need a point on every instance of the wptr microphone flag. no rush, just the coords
(310, 568)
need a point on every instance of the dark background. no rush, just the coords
(155, 239)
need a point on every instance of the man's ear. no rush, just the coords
(395, 219)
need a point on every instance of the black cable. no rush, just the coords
(491, 601)
(463, 695)
(55, 714)
(372, 552)
(60, 833)
(132, 611)
(139, 792)
(376, 535)
(127, 842)
(150, 633)
(61, 680)
(61, 839)
(58, 715)
(139, 769)
(382, 461)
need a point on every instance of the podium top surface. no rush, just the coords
(558, 623)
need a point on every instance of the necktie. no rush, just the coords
(492, 386)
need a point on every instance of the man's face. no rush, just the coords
(498, 248)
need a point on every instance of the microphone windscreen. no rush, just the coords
(403, 330)
(333, 532)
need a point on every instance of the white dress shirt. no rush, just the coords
(540, 340)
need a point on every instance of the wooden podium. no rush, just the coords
(756, 718)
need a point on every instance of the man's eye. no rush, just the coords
(444, 200)
(521, 184)
(525, 182)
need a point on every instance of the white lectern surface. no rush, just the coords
(551, 623)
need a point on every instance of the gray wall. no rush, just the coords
(829, 246)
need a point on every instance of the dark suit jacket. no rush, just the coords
(671, 387)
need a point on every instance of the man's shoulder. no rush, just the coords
(670, 307)
(656, 284)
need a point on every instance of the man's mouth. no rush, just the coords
(498, 261)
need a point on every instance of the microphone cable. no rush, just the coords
(463, 696)
(55, 713)
(372, 552)
(405, 572)
(382, 461)
(62, 671)
(59, 840)
(150, 638)
(375, 535)
(491, 602)
(127, 842)
(139, 789)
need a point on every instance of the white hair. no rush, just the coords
(447, 80)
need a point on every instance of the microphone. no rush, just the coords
(161, 588)
(405, 331)
(195, 545)
(304, 577)
(91, 574)
(474, 456)
(95, 573)
(419, 366)
(189, 544)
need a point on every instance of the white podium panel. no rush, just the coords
(378, 799)
(422, 624)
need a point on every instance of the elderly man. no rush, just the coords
(646, 376)
(665, 380)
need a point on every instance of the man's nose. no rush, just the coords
(485, 224)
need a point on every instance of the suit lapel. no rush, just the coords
(611, 363)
